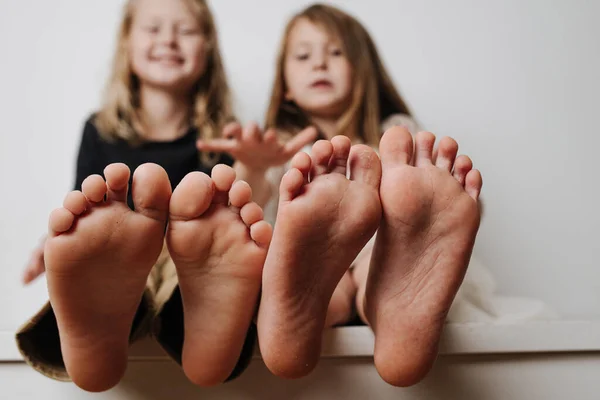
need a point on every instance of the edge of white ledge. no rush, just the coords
(458, 339)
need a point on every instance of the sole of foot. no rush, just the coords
(424, 243)
(324, 218)
(98, 256)
(218, 240)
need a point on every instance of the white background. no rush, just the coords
(516, 82)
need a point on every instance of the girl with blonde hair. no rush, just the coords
(167, 90)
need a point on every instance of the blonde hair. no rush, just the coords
(374, 96)
(212, 101)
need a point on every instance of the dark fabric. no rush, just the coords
(39, 341)
(177, 157)
(169, 333)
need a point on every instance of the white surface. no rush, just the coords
(458, 339)
(515, 81)
(537, 360)
(510, 377)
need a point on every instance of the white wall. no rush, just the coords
(514, 81)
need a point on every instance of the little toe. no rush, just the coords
(473, 183)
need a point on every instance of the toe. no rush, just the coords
(424, 149)
(462, 166)
(290, 186)
(151, 191)
(474, 183)
(396, 146)
(251, 213)
(223, 176)
(60, 221)
(75, 202)
(191, 197)
(302, 163)
(240, 194)
(446, 154)
(365, 166)
(341, 150)
(321, 154)
(94, 188)
(261, 232)
(117, 180)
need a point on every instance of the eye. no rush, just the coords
(302, 56)
(188, 31)
(151, 28)
(336, 51)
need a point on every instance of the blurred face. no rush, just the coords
(318, 76)
(166, 45)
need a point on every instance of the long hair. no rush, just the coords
(212, 107)
(374, 96)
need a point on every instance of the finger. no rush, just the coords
(34, 269)
(270, 136)
(217, 145)
(232, 130)
(252, 133)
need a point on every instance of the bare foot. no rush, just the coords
(218, 241)
(98, 256)
(430, 220)
(322, 223)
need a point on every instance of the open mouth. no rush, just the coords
(167, 60)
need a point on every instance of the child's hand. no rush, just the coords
(35, 267)
(255, 149)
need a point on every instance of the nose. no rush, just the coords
(319, 60)
(168, 36)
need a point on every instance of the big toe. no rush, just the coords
(151, 191)
(396, 146)
(192, 197)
